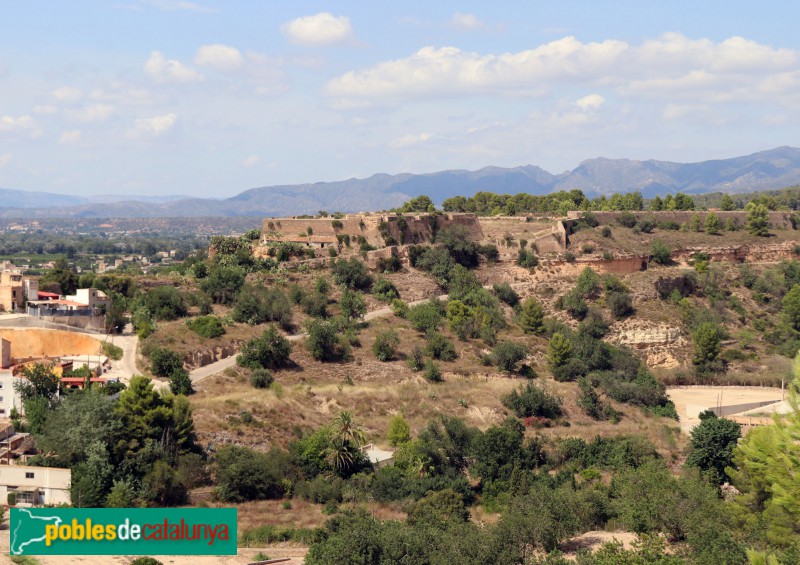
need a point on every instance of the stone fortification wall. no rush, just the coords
(778, 220)
(616, 266)
(769, 252)
(376, 229)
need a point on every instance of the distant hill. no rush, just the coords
(23, 199)
(776, 168)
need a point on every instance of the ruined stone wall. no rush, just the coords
(777, 220)
(404, 229)
(549, 243)
(767, 252)
(617, 266)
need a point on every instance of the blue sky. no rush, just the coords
(209, 98)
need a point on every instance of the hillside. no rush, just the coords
(776, 168)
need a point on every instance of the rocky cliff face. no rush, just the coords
(663, 345)
(203, 357)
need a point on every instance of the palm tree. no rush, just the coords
(347, 438)
(347, 429)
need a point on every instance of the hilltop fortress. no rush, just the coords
(383, 235)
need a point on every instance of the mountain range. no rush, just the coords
(776, 168)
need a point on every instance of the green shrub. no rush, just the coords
(316, 305)
(432, 372)
(352, 273)
(385, 345)
(206, 326)
(507, 354)
(532, 400)
(661, 252)
(426, 317)
(440, 347)
(261, 378)
(646, 225)
(620, 304)
(352, 304)
(112, 351)
(574, 304)
(269, 351)
(180, 382)
(258, 305)
(325, 343)
(506, 294)
(164, 362)
(527, 259)
(296, 293)
(399, 308)
(223, 283)
(627, 219)
(605, 231)
(165, 303)
(385, 290)
(587, 284)
(416, 359)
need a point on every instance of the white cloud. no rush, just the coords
(318, 30)
(468, 22)
(67, 94)
(409, 140)
(448, 70)
(590, 102)
(152, 127)
(21, 125)
(163, 70)
(70, 136)
(251, 161)
(5, 159)
(92, 113)
(219, 57)
(733, 69)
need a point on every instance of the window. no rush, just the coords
(29, 475)
(26, 497)
(1, 399)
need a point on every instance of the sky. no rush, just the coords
(209, 98)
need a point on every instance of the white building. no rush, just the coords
(34, 486)
(90, 297)
(9, 397)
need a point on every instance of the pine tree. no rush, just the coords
(727, 203)
(767, 463)
(399, 431)
(531, 316)
(559, 351)
(757, 219)
(656, 205)
(713, 224)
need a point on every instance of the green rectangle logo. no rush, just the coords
(123, 531)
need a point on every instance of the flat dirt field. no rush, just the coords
(690, 401)
(49, 343)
